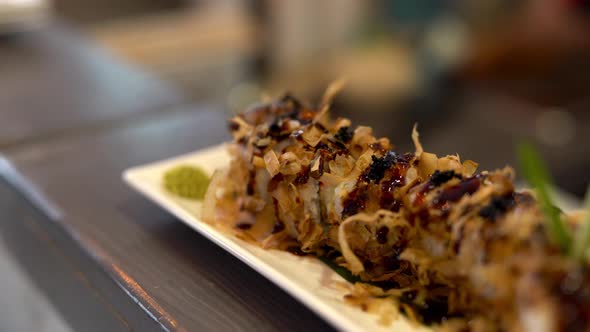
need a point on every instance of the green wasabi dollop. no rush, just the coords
(186, 181)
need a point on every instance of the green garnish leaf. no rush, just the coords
(342, 271)
(582, 240)
(538, 176)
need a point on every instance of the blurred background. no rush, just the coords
(477, 76)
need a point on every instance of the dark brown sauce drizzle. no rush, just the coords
(251, 184)
(233, 125)
(437, 178)
(278, 128)
(243, 140)
(344, 134)
(434, 311)
(454, 193)
(377, 147)
(390, 203)
(396, 180)
(278, 227)
(376, 171)
(244, 226)
(276, 132)
(274, 182)
(341, 148)
(355, 201)
(324, 149)
(381, 234)
(497, 207)
(302, 177)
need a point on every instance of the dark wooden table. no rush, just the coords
(72, 118)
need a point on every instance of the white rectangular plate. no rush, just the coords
(305, 278)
